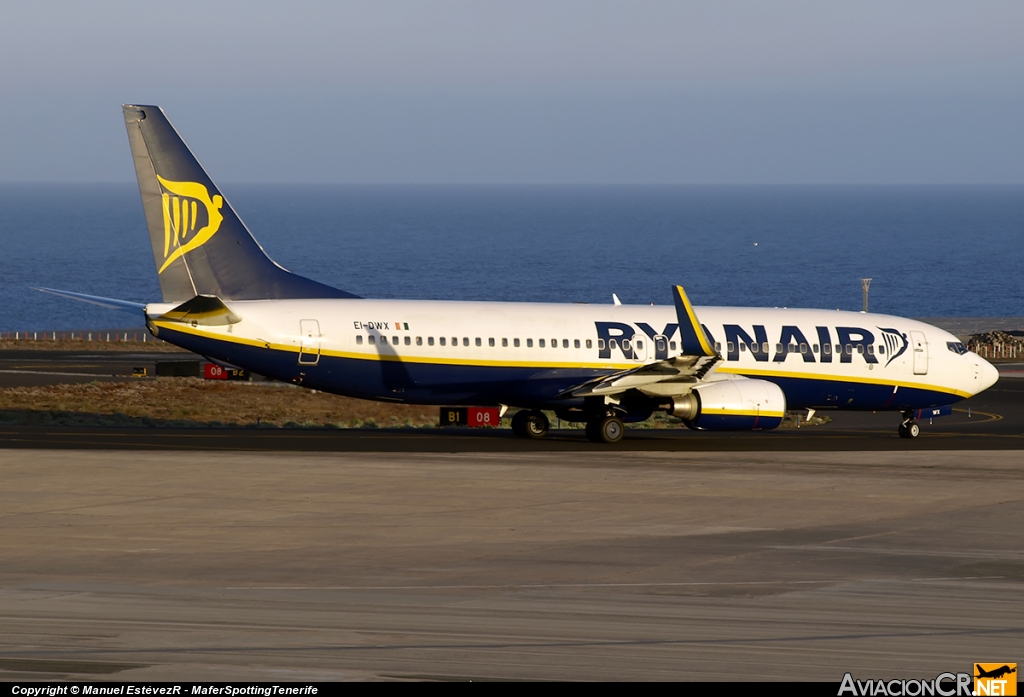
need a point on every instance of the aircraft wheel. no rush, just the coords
(910, 429)
(519, 423)
(535, 425)
(610, 429)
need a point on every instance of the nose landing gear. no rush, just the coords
(909, 428)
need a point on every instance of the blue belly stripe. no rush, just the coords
(535, 387)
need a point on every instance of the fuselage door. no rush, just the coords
(309, 349)
(920, 345)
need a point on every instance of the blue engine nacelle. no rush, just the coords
(738, 404)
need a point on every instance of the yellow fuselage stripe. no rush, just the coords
(733, 370)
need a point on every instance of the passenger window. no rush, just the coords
(455, 341)
(849, 349)
(612, 344)
(359, 339)
(860, 349)
(778, 348)
(672, 346)
(589, 344)
(600, 344)
(576, 343)
(383, 340)
(419, 341)
(764, 347)
(554, 343)
(565, 343)
(529, 343)
(504, 342)
(465, 341)
(871, 349)
(718, 346)
(430, 341)
(839, 349)
(730, 346)
(743, 347)
(803, 348)
(639, 345)
(814, 348)
(479, 343)
(490, 342)
(625, 345)
(826, 349)
(793, 348)
(515, 343)
(881, 349)
(540, 343)
(442, 340)
(394, 340)
(371, 340)
(408, 340)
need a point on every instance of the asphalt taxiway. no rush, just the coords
(292, 555)
(572, 565)
(993, 420)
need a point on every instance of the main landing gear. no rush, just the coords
(530, 424)
(909, 428)
(605, 429)
(533, 424)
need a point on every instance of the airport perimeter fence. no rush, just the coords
(998, 350)
(997, 345)
(140, 336)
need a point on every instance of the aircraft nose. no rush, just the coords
(987, 374)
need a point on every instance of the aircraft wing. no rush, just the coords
(676, 375)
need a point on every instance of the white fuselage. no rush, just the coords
(422, 351)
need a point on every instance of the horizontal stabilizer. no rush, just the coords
(110, 303)
(206, 310)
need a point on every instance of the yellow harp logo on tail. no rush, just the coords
(183, 217)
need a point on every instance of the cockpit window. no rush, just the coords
(956, 347)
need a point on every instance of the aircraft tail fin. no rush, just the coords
(200, 245)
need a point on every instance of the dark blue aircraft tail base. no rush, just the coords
(200, 245)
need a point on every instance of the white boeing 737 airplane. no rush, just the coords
(717, 368)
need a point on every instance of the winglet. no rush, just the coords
(695, 342)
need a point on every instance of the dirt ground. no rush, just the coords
(193, 401)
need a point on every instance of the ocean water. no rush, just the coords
(931, 251)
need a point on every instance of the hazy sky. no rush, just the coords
(555, 91)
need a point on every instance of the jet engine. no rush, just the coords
(738, 404)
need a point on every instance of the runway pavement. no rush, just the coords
(29, 368)
(614, 565)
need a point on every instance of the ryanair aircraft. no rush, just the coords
(716, 368)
